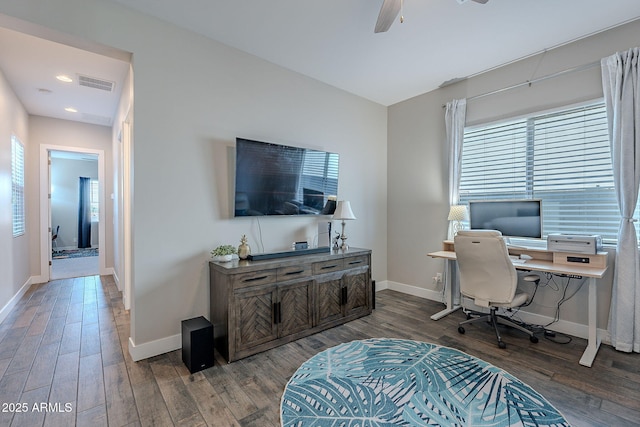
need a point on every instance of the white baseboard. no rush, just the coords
(116, 279)
(154, 348)
(413, 290)
(174, 342)
(561, 326)
(4, 312)
(38, 279)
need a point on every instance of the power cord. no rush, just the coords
(555, 337)
(260, 232)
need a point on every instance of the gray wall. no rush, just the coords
(192, 97)
(15, 271)
(417, 162)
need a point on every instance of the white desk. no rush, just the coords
(546, 262)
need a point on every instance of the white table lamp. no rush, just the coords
(458, 213)
(343, 212)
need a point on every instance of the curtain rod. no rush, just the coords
(539, 79)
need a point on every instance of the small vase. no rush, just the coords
(244, 250)
(223, 258)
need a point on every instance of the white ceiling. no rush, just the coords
(329, 40)
(31, 65)
(333, 40)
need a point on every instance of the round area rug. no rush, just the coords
(393, 382)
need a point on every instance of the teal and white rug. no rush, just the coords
(393, 382)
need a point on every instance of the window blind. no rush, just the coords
(17, 186)
(562, 158)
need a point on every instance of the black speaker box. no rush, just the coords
(197, 344)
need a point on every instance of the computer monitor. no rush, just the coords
(513, 218)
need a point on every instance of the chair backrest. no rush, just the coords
(486, 272)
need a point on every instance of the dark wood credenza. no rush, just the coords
(258, 305)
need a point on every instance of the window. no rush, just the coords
(562, 158)
(17, 186)
(95, 201)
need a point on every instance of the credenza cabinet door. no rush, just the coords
(357, 293)
(254, 316)
(329, 298)
(294, 313)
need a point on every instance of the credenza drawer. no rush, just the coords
(328, 266)
(294, 272)
(254, 278)
(356, 261)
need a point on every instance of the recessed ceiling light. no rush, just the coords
(64, 78)
(71, 110)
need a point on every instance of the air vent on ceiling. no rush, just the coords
(96, 119)
(96, 83)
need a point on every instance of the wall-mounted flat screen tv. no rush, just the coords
(514, 218)
(273, 179)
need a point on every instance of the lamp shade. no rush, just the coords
(343, 211)
(458, 213)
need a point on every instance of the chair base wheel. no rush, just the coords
(501, 344)
(533, 339)
(461, 329)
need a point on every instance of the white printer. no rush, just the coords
(574, 243)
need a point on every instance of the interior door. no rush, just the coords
(49, 226)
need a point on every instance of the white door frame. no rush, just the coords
(45, 190)
(127, 209)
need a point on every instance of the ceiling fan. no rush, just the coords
(390, 9)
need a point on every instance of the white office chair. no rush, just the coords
(488, 276)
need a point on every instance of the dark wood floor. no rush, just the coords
(64, 350)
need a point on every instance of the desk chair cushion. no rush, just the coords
(489, 277)
(487, 274)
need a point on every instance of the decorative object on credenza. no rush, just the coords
(344, 213)
(223, 253)
(402, 382)
(244, 250)
(458, 213)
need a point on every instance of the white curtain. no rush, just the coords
(455, 115)
(620, 81)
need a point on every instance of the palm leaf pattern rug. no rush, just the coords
(394, 382)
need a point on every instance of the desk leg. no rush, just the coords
(453, 296)
(594, 340)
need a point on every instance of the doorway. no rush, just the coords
(72, 175)
(59, 191)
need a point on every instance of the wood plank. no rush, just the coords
(179, 403)
(71, 335)
(41, 373)
(89, 339)
(92, 417)
(121, 407)
(64, 390)
(90, 383)
(36, 403)
(153, 412)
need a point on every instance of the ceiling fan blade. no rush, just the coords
(388, 13)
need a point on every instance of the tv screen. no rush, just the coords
(273, 179)
(514, 218)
